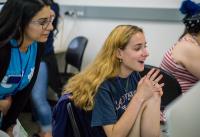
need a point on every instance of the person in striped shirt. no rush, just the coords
(182, 59)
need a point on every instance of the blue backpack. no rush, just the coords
(70, 121)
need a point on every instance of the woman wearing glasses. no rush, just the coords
(48, 75)
(23, 25)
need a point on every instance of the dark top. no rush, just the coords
(19, 99)
(112, 99)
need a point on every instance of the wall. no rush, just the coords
(161, 27)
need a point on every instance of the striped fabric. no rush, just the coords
(185, 78)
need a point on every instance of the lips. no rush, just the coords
(45, 35)
(142, 62)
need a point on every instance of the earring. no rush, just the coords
(120, 60)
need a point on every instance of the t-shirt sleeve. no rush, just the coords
(104, 110)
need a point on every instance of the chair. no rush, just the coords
(171, 89)
(71, 121)
(74, 56)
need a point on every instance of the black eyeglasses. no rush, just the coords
(44, 22)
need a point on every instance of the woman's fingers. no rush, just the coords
(150, 73)
(154, 75)
(158, 89)
(159, 86)
(158, 78)
(142, 79)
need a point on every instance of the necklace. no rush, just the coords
(121, 85)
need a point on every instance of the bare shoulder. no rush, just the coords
(186, 49)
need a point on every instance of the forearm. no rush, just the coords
(127, 120)
(18, 102)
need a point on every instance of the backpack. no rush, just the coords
(71, 121)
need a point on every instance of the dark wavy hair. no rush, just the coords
(15, 15)
(192, 16)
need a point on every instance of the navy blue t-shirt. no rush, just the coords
(112, 99)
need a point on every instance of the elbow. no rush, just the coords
(117, 133)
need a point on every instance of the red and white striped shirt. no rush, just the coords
(183, 76)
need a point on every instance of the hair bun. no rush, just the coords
(189, 8)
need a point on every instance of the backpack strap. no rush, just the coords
(72, 120)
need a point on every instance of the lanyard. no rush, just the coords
(21, 63)
(22, 70)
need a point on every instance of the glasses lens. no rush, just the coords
(46, 24)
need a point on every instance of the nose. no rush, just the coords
(145, 52)
(50, 27)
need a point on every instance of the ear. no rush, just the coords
(119, 53)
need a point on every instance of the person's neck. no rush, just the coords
(124, 73)
(24, 46)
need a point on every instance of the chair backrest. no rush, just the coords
(75, 51)
(71, 121)
(171, 89)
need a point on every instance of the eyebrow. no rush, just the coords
(139, 44)
(45, 18)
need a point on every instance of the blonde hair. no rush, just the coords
(85, 84)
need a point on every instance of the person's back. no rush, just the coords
(182, 60)
(185, 78)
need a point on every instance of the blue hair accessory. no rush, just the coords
(189, 8)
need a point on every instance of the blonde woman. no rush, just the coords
(122, 104)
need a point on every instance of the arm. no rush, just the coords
(125, 123)
(187, 53)
(19, 100)
(190, 60)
